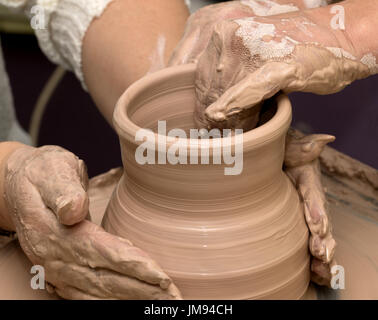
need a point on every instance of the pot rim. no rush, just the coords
(127, 129)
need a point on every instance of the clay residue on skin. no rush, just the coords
(368, 60)
(341, 53)
(268, 8)
(45, 193)
(371, 61)
(259, 38)
(157, 57)
(251, 59)
(302, 166)
(297, 77)
(199, 27)
(338, 72)
(310, 4)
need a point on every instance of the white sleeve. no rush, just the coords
(66, 22)
(13, 3)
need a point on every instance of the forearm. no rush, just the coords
(126, 42)
(347, 29)
(360, 25)
(305, 4)
(273, 7)
(6, 149)
(357, 33)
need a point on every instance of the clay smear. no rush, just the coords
(157, 57)
(256, 37)
(310, 4)
(268, 8)
(371, 61)
(368, 60)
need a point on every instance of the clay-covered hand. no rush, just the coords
(45, 193)
(302, 166)
(199, 29)
(251, 59)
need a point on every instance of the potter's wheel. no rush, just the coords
(354, 214)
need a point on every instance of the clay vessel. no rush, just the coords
(218, 236)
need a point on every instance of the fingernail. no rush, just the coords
(233, 111)
(218, 116)
(307, 147)
(72, 210)
(165, 283)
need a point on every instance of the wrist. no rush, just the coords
(362, 25)
(352, 24)
(6, 150)
(304, 4)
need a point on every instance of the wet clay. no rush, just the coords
(216, 236)
(341, 165)
(354, 213)
(353, 210)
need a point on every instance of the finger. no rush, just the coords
(83, 174)
(302, 150)
(322, 248)
(62, 180)
(315, 212)
(41, 235)
(322, 245)
(186, 50)
(315, 203)
(44, 239)
(100, 249)
(253, 89)
(320, 272)
(71, 293)
(104, 283)
(32, 219)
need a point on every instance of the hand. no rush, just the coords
(251, 59)
(45, 193)
(199, 29)
(302, 167)
(200, 25)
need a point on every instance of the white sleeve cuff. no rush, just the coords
(66, 22)
(13, 3)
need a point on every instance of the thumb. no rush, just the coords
(72, 203)
(62, 181)
(258, 86)
(302, 150)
